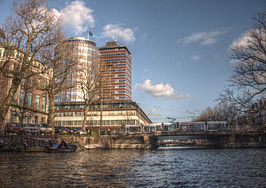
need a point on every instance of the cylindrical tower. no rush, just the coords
(86, 54)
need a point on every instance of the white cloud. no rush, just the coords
(195, 57)
(203, 38)
(161, 90)
(77, 17)
(118, 32)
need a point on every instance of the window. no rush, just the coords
(43, 102)
(45, 84)
(48, 104)
(22, 95)
(37, 101)
(13, 116)
(9, 53)
(23, 81)
(15, 97)
(38, 82)
(29, 98)
(30, 81)
(28, 119)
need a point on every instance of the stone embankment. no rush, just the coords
(17, 142)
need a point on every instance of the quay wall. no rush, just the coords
(139, 141)
(216, 141)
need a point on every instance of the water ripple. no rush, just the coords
(135, 168)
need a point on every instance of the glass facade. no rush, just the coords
(87, 54)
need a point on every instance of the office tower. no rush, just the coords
(86, 53)
(115, 66)
(116, 109)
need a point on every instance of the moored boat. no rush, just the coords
(61, 148)
(33, 149)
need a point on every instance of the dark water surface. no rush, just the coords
(135, 168)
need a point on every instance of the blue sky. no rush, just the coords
(180, 49)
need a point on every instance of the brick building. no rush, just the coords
(30, 104)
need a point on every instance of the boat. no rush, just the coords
(33, 149)
(61, 148)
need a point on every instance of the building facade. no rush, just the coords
(115, 110)
(86, 53)
(110, 115)
(30, 104)
(115, 65)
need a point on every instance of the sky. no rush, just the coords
(180, 49)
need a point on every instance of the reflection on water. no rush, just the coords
(135, 168)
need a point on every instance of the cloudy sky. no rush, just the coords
(180, 49)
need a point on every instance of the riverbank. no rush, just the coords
(18, 142)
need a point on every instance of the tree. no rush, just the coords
(208, 114)
(30, 28)
(91, 87)
(60, 60)
(248, 82)
(223, 111)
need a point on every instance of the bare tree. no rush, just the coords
(91, 87)
(60, 59)
(248, 82)
(224, 111)
(30, 28)
(208, 114)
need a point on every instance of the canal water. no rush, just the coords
(135, 168)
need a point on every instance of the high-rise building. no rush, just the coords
(115, 66)
(86, 53)
(116, 108)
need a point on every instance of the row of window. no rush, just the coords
(96, 122)
(30, 82)
(118, 70)
(13, 53)
(115, 65)
(17, 117)
(97, 106)
(111, 60)
(79, 41)
(22, 99)
(104, 113)
(111, 55)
